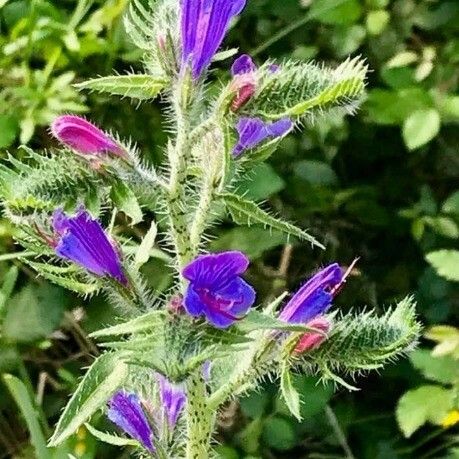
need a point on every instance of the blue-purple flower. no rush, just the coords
(173, 399)
(315, 297)
(243, 65)
(82, 240)
(125, 410)
(204, 24)
(245, 81)
(253, 131)
(216, 289)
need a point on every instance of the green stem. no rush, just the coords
(200, 419)
(341, 437)
(176, 198)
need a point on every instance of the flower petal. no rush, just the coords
(173, 399)
(203, 27)
(83, 241)
(314, 297)
(241, 294)
(280, 128)
(214, 270)
(192, 302)
(83, 136)
(243, 64)
(126, 412)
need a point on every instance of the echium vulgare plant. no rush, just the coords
(173, 360)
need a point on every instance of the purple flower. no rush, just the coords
(315, 297)
(242, 65)
(82, 240)
(83, 136)
(173, 399)
(126, 412)
(245, 81)
(203, 27)
(253, 131)
(216, 289)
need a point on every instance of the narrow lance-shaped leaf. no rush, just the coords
(139, 324)
(289, 393)
(109, 438)
(245, 212)
(26, 405)
(106, 375)
(136, 86)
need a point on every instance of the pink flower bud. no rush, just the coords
(312, 340)
(83, 137)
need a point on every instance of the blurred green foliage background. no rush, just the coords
(382, 185)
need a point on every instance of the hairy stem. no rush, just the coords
(200, 419)
(176, 199)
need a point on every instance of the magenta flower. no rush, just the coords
(173, 399)
(203, 27)
(126, 412)
(315, 297)
(83, 137)
(312, 340)
(216, 289)
(253, 131)
(82, 240)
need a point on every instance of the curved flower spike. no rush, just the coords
(203, 27)
(216, 289)
(253, 131)
(314, 298)
(126, 412)
(82, 240)
(83, 136)
(173, 399)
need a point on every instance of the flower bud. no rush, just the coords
(83, 137)
(312, 340)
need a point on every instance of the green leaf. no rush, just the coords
(420, 128)
(246, 212)
(142, 87)
(261, 183)
(451, 205)
(63, 276)
(8, 130)
(29, 412)
(290, 394)
(316, 173)
(140, 324)
(365, 341)
(34, 313)
(144, 251)
(252, 241)
(110, 439)
(421, 405)
(125, 199)
(308, 89)
(346, 84)
(256, 320)
(443, 369)
(446, 263)
(377, 21)
(9, 281)
(279, 433)
(104, 377)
